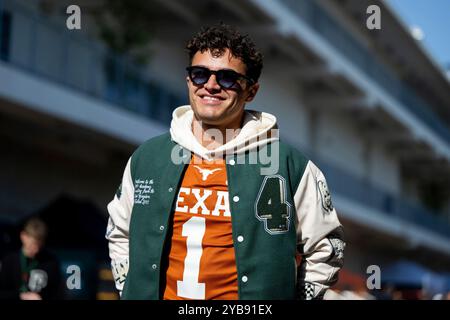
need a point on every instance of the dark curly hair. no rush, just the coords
(220, 37)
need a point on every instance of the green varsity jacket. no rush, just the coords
(279, 215)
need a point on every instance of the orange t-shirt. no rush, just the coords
(202, 262)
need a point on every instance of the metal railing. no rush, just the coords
(48, 49)
(321, 22)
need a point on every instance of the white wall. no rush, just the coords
(168, 61)
(338, 142)
(384, 170)
(281, 97)
(341, 143)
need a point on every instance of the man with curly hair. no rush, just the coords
(219, 208)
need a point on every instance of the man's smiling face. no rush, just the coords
(214, 105)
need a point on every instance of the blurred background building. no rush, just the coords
(370, 107)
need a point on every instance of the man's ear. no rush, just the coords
(252, 92)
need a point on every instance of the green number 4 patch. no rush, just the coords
(271, 206)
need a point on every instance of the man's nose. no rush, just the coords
(212, 84)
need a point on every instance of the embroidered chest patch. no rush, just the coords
(142, 191)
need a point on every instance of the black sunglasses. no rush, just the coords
(226, 78)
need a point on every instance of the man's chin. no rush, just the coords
(209, 115)
(210, 120)
(210, 110)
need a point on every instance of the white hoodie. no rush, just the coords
(259, 129)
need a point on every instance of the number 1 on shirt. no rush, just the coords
(189, 287)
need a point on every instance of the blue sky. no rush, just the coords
(433, 17)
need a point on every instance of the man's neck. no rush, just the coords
(211, 137)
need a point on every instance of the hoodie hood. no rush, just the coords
(255, 132)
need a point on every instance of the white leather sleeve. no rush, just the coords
(320, 239)
(117, 232)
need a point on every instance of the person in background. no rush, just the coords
(30, 273)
